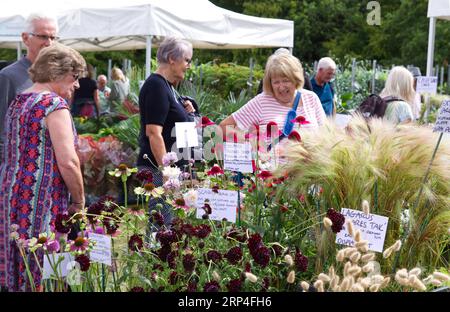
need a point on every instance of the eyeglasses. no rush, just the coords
(189, 61)
(75, 76)
(45, 37)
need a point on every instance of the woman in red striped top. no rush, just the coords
(283, 77)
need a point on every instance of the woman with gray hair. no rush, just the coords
(40, 168)
(161, 107)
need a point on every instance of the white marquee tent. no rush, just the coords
(101, 25)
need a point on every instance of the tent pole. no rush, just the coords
(148, 56)
(430, 57)
(19, 50)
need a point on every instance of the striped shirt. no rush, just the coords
(264, 108)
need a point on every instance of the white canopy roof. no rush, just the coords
(98, 25)
(439, 9)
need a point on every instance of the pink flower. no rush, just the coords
(272, 129)
(264, 174)
(215, 170)
(53, 246)
(80, 244)
(300, 120)
(295, 136)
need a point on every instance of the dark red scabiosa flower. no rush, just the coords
(254, 242)
(216, 188)
(189, 262)
(172, 259)
(137, 289)
(212, 286)
(215, 170)
(214, 256)
(201, 245)
(164, 252)
(264, 174)
(284, 208)
(234, 255)
(157, 218)
(202, 230)
(277, 249)
(266, 283)
(262, 256)
(295, 136)
(145, 175)
(107, 203)
(94, 211)
(111, 225)
(62, 223)
(337, 218)
(192, 286)
(173, 278)
(188, 229)
(301, 262)
(248, 267)
(300, 120)
(205, 122)
(135, 242)
(84, 262)
(234, 285)
(207, 208)
(166, 237)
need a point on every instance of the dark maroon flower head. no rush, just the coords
(214, 256)
(215, 170)
(215, 189)
(277, 249)
(188, 229)
(145, 175)
(301, 262)
(166, 237)
(300, 120)
(262, 256)
(135, 243)
(207, 208)
(137, 289)
(84, 262)
(172, 259)
(202, 230)
(254, 242)
(164, 252)
(94, 211)
(248, 267)
(337, 218)
(173, 278)
(234, 255)
(106, 202)
(201, 245)
(237, 235)
(234, 285)
(192, 286)
(189, 262)
(212, 286)
(295, 136)
(266, 283)
(111, 225)
(205, 122)
(272, 129)
(157, 218)
(62, 223)
(264, 174)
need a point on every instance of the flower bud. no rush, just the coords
(324, 278)
(305, 286)
(441, 276)
(357, 236)
(416, 272)
(319, 286)
(350, 228)
(291, 277)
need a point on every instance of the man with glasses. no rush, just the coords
(40, 31)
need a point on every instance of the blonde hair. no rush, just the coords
(399, 84)
(283, 65)
(56, 61)
(117, 74)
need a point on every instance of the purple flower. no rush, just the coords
(254, 242)
(214, 256)
(157, 218)
(53, 246)
(189, 263)
(135, 243)
(166, 237)
(145, 175)
(301, 262)
(337, 218)
(84, 262)
(262, 256)
(192, 287)
(234, 255)
(212, 286)
(62, 223)
(172, 259)
(202, 231)
(169, 159)
(173, 278)
(234, 285)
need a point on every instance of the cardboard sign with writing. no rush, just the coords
(238, 157)
(427, 84)
(223, 203)
(101, 252)
(443, 119)
(186, 134)
(62, 269)
(373, 229)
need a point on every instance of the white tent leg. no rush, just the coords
(19, 50)
(148, 56)
(430, 58)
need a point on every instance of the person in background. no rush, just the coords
(86, 101)
(40, 173)
(103, 94)
(120, 88)
(322, 86)
(416, 106)
(283, 79)
(400, 85)
(40, 32)
(160, 108)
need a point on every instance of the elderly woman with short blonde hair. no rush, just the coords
(40, 172)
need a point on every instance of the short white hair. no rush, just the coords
(282, 51)
(32, 18)
(325, 63)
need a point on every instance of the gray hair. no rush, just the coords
(32, 18)
(326, 62)
(172, 48)
(282, 51)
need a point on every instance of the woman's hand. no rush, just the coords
(75, 208)
(188, 106)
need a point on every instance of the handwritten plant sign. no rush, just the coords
(223, 204)
(373, 229)
(238, 157)
(443, 119)
(427, 84)
(101, 253)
